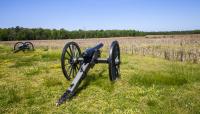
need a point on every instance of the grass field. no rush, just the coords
(32, 82)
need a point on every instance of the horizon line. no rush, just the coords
(99, 29)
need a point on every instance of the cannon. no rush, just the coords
(23, 46)
(75, 65)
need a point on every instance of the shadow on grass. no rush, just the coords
(92, 79)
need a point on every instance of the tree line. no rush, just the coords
(20, 33)
(174, 32)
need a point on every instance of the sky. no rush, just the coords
(143, 15)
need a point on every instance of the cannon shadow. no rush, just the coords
(87, 81)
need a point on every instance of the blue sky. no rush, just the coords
(144, 15)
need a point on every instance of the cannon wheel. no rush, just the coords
(30, 46)
(17, 45)
(114, 61)
(69, 60)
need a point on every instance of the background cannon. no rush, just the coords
(23, 46)
(76, 64)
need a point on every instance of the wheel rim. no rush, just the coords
(114, 61)
(29, 46)
(69, 60)
(18, 45)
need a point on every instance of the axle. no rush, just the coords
(98, 60)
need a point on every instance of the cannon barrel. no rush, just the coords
(88, 53)
(98, 46)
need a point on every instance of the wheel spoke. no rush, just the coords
(74, 72)
(68, 53)
(70, 71)
(71, 50)
(77, 68)
(66, 58)
(77, 53)
(69, 67)
(67, 61)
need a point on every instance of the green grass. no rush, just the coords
(32, 82)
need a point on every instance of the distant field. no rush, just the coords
(124, 41)
(170, 47)
(158, 75)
